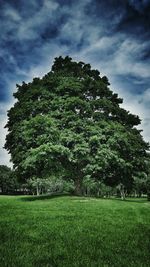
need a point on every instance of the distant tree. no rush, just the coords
(49, 185)
(70, 123)
(8, 180)
(90, 187)
(148, 179)
(148, 188)
(140, 184)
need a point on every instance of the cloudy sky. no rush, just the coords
(113, 36)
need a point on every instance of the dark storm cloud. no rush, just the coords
(112, 35)
(140, 6)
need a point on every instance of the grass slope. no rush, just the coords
(71, 232)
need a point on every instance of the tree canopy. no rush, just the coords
(70, 124)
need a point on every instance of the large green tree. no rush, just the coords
(69, 123)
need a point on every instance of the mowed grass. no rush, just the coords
(74, 231)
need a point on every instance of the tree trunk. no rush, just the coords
(98, 193)
(78, 187)
(140, 194)
(37, 190)
(135, 193)
(122, 192)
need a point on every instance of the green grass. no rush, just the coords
(74, 232)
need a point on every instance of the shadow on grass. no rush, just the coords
(134, 200)
(58, 195)
(43, 197)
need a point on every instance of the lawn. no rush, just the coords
(69, 231)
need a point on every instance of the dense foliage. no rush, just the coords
(70, 124)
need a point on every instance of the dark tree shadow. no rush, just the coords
(43, 197)
(58, 195)
(134, 200)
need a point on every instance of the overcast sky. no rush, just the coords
(112, 35)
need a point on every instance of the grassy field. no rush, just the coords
(73, 231)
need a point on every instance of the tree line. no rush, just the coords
(9, 184)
